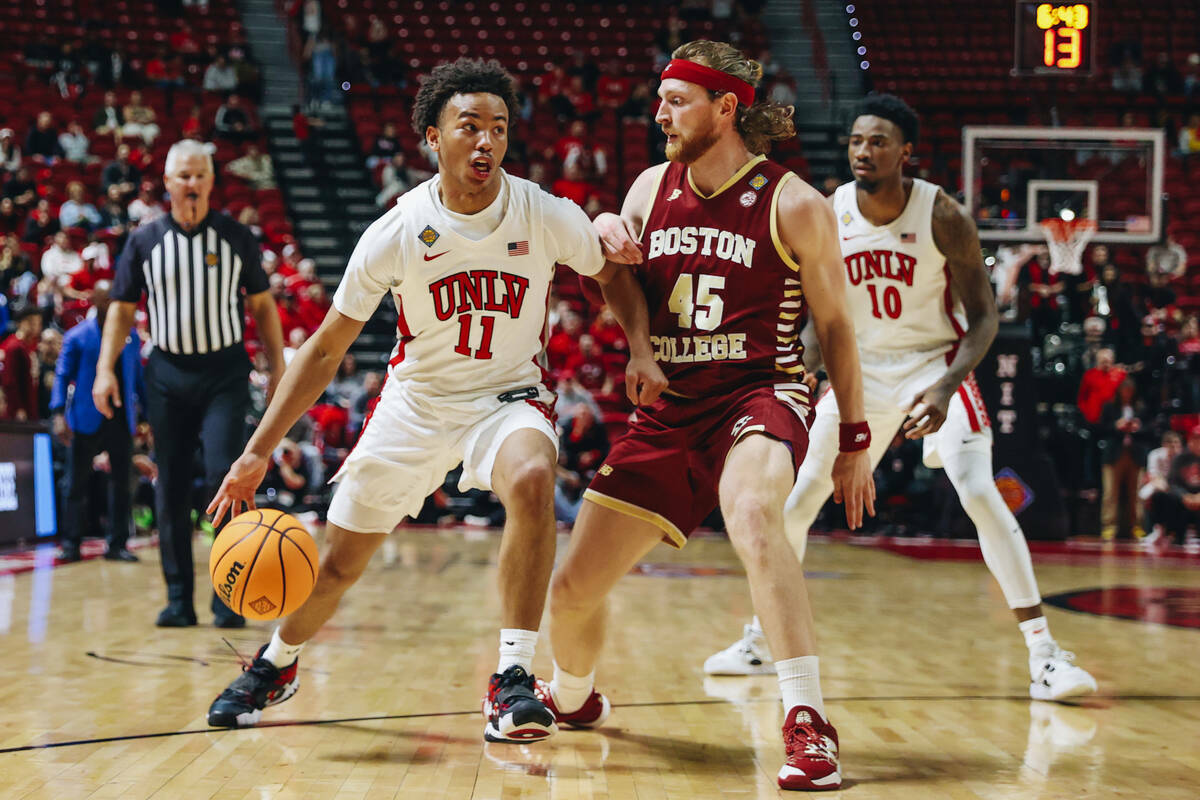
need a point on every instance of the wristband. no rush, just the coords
(853, 436)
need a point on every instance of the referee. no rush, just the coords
(191, 266)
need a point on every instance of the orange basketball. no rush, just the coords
(263, 564)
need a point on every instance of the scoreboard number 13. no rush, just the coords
(1054, 38)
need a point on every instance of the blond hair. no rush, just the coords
(761, 123)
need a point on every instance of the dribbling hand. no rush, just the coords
(617, 239)
(854, 485)
(644, 380)
(237, 489)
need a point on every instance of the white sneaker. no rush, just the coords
(747, 656)
(1054, 677)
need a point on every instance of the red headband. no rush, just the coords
(709, 78)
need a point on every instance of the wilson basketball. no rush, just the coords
(263, 564)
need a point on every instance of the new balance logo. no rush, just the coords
(860, 437)
(674, 194)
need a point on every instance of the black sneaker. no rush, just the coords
(513, 711)
(175, 617)
(261, 684)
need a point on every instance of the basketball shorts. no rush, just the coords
(667, 467)
(411, 440)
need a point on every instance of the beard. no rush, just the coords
(688, 151)
(867, 185)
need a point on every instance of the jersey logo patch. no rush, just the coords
(674, 194)
(908, 237)
(211, 259)
(846, 218)
(428, 236)
(428, 257)
(520, 248)
(748, 199)
(758, 182)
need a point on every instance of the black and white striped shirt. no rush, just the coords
(192, 281)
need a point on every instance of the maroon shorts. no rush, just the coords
(666, 468)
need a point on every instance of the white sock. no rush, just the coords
(1037, 634)
(800, 683)
(280, 653)
(516, 647)
(571, 691)
(756, 626)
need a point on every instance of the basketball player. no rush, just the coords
(734, 246)
(469, 256)
(925, 316)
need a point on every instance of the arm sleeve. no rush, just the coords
(128, 280)
(373, 270)
(571, 237)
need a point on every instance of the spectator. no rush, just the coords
(365, 402)
(121, 173)
(1184, 480)
(74, 143)
(346, 383)
(572, 397)
(573, 186)
(220, 76)
(114, 219)
(581, 102)
(77, 422)
(183, 40)
(10, 217)
(1189, 136)
(109, 118)
(10, 151)
(306, 275)
(48, 349)
(288, 477)
(397, 178)
(311, 21)
(41, 145)
(1191, 78)
(1156, 490)
(1044, 288)
(13, 265)
(233, 122)
(168, 76)
(1123, 453)
(41, 225)
(612, 89)
(587, 364)
(249, 217)
(573, 150)
(21, 189)
(322, 70)
(1114, 300)
(146, 207)
(565, 342)
(386, 145)
(140, 120)
(1163, 78)
(60, 262)
(19, 368)
(583, 444)
(1168, 258)
(254, 167)
(97, 257)
(608, 332)
(193, 126)
(77, 212)
(1127, 74)
(1099, 385)
(783, 90)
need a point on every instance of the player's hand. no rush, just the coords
(237, 489)
(617, 239)
(106, 394)
(854, 485)
(927, 411)
(644, 380)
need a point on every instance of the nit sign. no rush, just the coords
(1053, 38)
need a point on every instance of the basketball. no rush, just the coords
(263, 564)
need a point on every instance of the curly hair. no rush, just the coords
(464, 76)
(760, 124)
(894, 110)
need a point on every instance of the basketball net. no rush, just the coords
(1066, 240)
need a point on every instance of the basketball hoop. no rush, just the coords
(1066, 239)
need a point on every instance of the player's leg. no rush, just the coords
(965, 451)
(272, 676)
(523, 478)
(605, 545)
(755, 482)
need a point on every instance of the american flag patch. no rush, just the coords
(908, 237)
(518, 248)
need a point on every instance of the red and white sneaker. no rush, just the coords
(591, 714)
(812, 752)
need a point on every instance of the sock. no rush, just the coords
(1037, 634)
(280, 653)
(756, 626)
(570, 691)
(516, 647)
(800, 683)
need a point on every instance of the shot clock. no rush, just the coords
(1055, 38)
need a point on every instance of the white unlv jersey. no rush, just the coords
(472, 313)
(898, 284)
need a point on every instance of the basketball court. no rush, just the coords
(924, 675)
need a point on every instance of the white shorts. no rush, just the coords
(412, 440)
(889, 386)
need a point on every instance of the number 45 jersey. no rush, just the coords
(897, 282)
(725, 299)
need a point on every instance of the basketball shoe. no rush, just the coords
(747, 656)
(812, 752)
(261, 684)
(514, 712)
(1055, 677)
(591, 714)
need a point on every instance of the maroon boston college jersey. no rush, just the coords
(725, 297)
